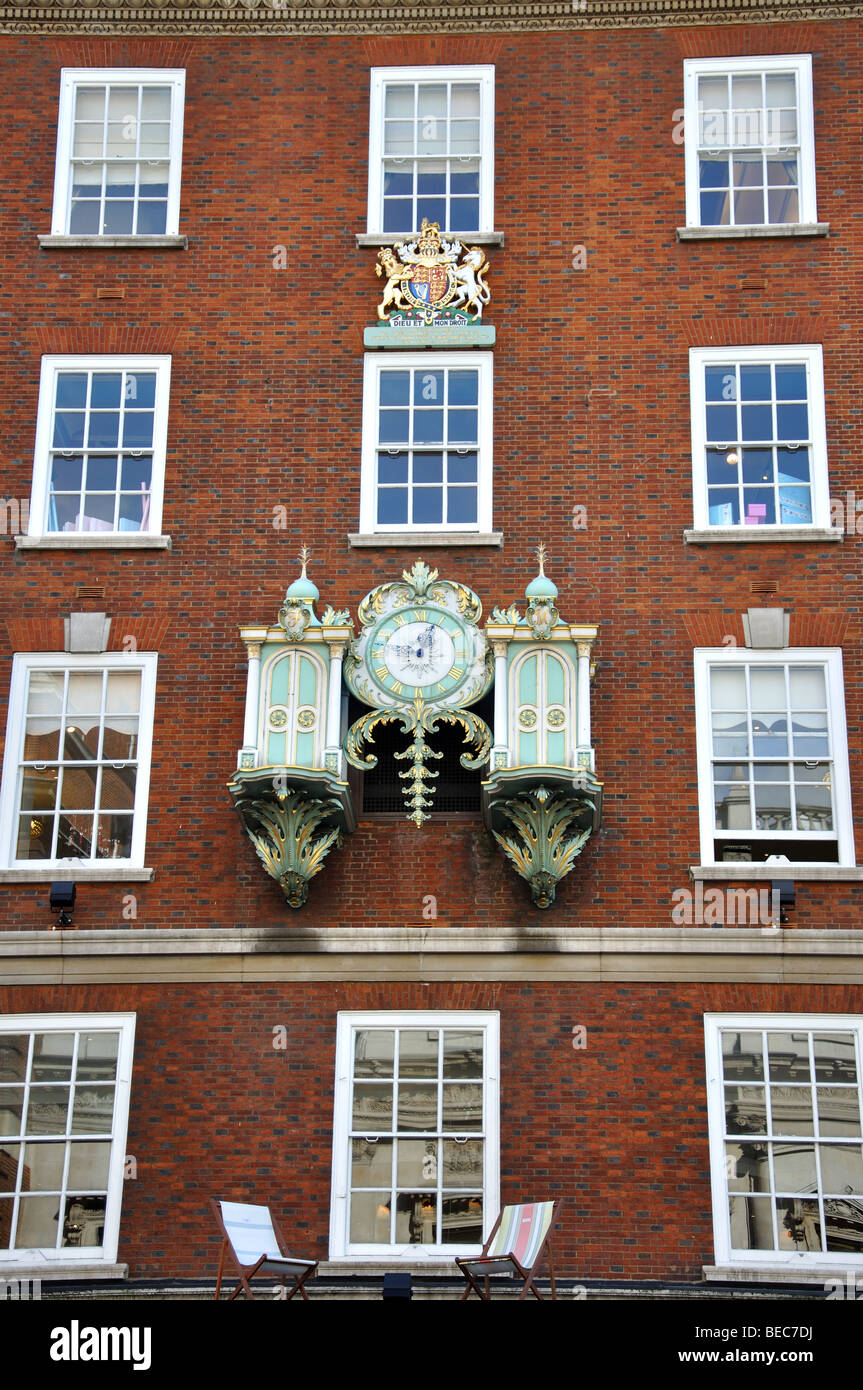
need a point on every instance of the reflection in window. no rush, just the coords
(748, 148)
(57, 1107)
(428, 447)
(417, 1140)
(121, 142)
(431, 146)
(771, 759)
(758, 440)
(79, 764)
(101, 451)
(793, 1141)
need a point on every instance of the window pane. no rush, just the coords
(838, 1112)
(371, 1162)
(462, 1163)
(43, 1165)
(84, 1221)
(370, 1218)
(841, 1168)
(373, 1108)
(745, 1110)
(417, 1162)
(416, 1218)
(52, 1056)
(47, 1110)
(791, 1108)
(417, 1107)
(97, 1056)
(834, 1057)
(751, 1222)
(427, 506)
(461, 1220)
(799, 1225)
(37, 1223)
(462, 1108)
(463, 1054)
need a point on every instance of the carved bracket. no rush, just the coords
(292, 833)
(544, 835)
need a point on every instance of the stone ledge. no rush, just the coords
(68, 1270)
(774, 1274)
(768, 873)
(252, 942)
(72, 873)
(114, 243)
(742, 233)
(466, 238)
(255, 955)
(736, 535)
(94, 540)
(409, 539)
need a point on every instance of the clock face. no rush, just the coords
(418, 651)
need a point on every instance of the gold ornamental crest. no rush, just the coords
(430, 278)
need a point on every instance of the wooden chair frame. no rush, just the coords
(299, 1270)
(471, 1265)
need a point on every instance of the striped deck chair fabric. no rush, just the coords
(515, 1246)
(249, 1234)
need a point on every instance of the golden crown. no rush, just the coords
(428, 242)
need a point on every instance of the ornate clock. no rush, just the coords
(420, 658)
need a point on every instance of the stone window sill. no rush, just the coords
(737, 535)
(72, 871)
(94, 540)
(773, 1274)
(67, 1270)
(400, 539)
(466, 238)
(732, 233)
(765, 873)
(114, 243)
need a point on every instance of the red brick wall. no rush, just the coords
(591, 408)
(618, 1129)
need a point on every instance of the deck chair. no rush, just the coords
(518, 1240)
(256, 1246)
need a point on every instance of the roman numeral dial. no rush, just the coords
(418, 651)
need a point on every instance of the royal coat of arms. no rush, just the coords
(430, 280)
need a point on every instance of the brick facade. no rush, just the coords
(591, 397)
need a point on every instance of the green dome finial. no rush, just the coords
(542, 586)
(303, 587)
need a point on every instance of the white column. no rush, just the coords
(334, 707)
(582, 734)
(250, 723)
(501, 740)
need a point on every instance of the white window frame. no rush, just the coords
(347, 1024)
(380, 79)
(95, 1022)
(73, 78)
(725, 1254)
(830, 658)
(52, 365)
(809, 355)
(801, 64)
(374, 364)
(23, 663)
